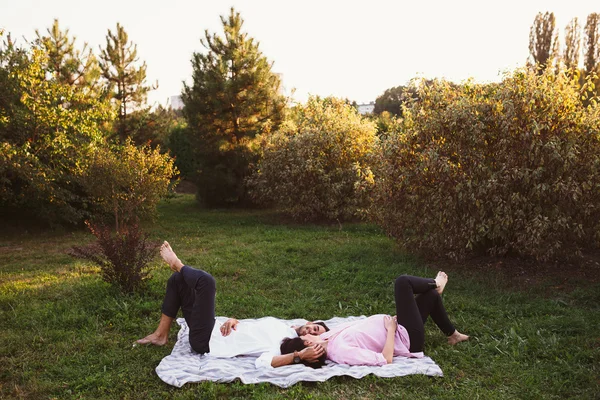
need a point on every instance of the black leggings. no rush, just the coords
(412, 311)
(193, 291)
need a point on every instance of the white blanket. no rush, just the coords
(183, 365)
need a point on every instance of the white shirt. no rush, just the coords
(261, 337)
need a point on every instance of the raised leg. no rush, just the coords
(175, 294)
(201, 316)
(193, 291)
(430, 304)
(407, 311)
(412, 311)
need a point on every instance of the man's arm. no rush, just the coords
(230, 324)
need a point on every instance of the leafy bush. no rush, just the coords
(122, 256)
(127, 182)
(386, 123)
(47, 131)
(316, 166)
(500, 168)
(222, 174)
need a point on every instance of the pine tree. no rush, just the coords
(233, 98)
(543, 41)
(592, 44)
(125, 81)
(572, 44)
(67, 64)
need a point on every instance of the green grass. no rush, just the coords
(66, 334)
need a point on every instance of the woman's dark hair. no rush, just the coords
(290, 345)
(323, 325)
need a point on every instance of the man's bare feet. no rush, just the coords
(441, 280)
(155, 339)
(167, 254)
(457, 337)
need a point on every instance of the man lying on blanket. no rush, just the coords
(193, 291)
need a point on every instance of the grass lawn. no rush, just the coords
(64, 333)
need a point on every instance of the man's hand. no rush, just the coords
(230, 324)
(312, 354)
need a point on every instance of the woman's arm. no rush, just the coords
(388, 349)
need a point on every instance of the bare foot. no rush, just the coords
(155, 339)
(167, 254)
(457, 337)
(441, 279)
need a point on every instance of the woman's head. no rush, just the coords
(290, 345)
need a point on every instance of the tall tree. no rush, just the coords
(66, 63)
(592, 44)
(126, 81)
(572, 44)
(234, 97)
(393, 99)
(543, 41)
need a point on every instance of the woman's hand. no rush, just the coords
(390, 322)
(230, 324)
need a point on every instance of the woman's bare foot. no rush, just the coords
(167, 254)
(457, 337)
(155, 339)
(441, 280)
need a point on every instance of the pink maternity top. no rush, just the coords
(361, 342)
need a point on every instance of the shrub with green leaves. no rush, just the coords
(500, 168)
(126, 183)
(316, 166)
(47, 131)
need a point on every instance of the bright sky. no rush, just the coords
(351, 49)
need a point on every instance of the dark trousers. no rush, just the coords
(412, 311)
(193, 291)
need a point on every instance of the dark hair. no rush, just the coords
(323, 325)
(290, 345)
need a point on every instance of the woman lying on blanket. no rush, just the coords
(377, 339)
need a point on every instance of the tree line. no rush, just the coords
(545, 47)
(79, 141)
(580, 55)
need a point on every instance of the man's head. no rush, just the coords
(312, 328)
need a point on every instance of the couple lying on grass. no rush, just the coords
(371, 341)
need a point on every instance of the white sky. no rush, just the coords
(353, 49)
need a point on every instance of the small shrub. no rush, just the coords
(122, 256)
(127, 182)
(316, 166)
(502, 168)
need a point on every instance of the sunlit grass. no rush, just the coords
(67, 334)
